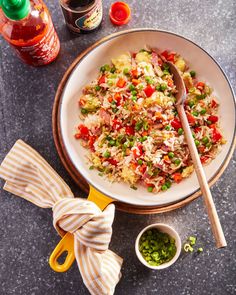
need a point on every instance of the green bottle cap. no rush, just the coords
(15, 9)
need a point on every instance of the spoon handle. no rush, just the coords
(207, 196)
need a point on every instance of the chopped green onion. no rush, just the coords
(200, 249)
(142, 139)
(166, 66)
(203, 111)
(145, 126)
(133, 187)
(158, 87)
(188, 248)
(113, 69)
(134, 92)
(208, 145)
(84, 111)
(91, 167)
(163, 86)
(191, 103)
(192, 240)
(168, 184)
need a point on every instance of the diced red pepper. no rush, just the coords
(165, 54)
(170, 83)
(83, 132)
(134, 73)
(177, 177)
(191, 119)
(91, 141)
(112, 161)
(204, 159)
(200, 85)
(135, 82)
(138, 151)
(102, 80)
(201, 149)
(116, 124)
(149, 90)
(134, 55)
(197, 129)
(214, 104)
(117, 98)
(129, 130)
(143, 168)
(216, 135)
(121, 83)
(171, 57)
(176, 124)
(81, 102)
(160, 62)
(213, 119)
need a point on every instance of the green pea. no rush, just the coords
(168, 184)
(163, 86)
(164, 187)
(191, 103)
(149, 80)
(208, 145)
(84, 111)
(180, 131)
(166, 66)
(192, 74)
(195, 113)
(113, 69)
(112, 142)
(134, 98)
(168, 127)
(177, 162)
(140, 162)
(131, 87)
(104, 68)
(158, 87)
(205, 140)
(142, 139)
(125, 71)
(114, 110)
(97, 87)
(197, 142)
(145, 126)
(150, 189)
(107, 154)
(134, 92)
(171, 155)
(203, 111)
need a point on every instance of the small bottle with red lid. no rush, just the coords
(27, 26)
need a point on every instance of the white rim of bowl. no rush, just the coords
(112, 36)
(178, 245)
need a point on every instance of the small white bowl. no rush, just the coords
(165, 229)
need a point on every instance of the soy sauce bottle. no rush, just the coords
(27, 26)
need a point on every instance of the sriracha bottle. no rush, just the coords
(27, 27)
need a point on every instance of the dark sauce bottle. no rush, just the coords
(82, 16)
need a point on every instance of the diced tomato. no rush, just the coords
(117, 98)
(214, 104)
(91, 141)
(165, 54)
(134, 73)
(160, 62)
(134, 55)
(138, 151)
(143, 168)
(216, 135)
(213, 119)
(116, 124)
(200, 85)
(110, 99)
(83, 132)
(171, 57)
(149, 184)
(149, 90)
(112, 161)
(121, 83)
(77, 136)
(129, 130)
(197, 129)
(201, 149)
(102, 80)
(135, 82)
(176, 124)
(177, 177)
(204, 159)
(191, 119)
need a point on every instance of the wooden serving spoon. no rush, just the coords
(209, 203)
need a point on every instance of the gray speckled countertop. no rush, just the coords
(26, 233)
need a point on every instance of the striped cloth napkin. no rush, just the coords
(29, 176)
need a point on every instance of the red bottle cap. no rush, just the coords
(120, 13)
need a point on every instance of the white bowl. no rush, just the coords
(86, 68)
(165, 229)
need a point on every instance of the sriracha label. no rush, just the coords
(42, 52)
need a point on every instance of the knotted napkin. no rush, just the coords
(29, 176)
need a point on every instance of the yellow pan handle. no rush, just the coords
(66, 244)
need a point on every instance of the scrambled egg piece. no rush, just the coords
(92, 103)
(96, 161)
(180, 64)
(143, 56)
(128, 175)
(188, 81)
(187, 171)
(122, 62)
